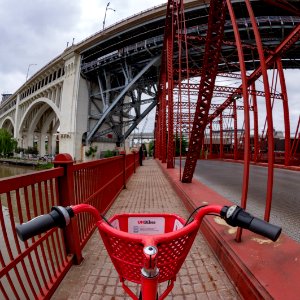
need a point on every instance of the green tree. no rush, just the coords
(183, 144)
(7, 143)
(91, 151)
(151, 147)
(109, 153)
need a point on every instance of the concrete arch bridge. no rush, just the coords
(99, 90)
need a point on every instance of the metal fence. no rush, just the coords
(35, 268)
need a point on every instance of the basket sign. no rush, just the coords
(177, 225)
(115, 224)
(146, 225)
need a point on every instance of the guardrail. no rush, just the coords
(34, 269)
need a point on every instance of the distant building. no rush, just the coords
(5, 97)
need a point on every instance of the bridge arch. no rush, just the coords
(8, 124)
(38, 126)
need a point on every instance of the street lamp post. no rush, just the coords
(106, 9)
(28, 69)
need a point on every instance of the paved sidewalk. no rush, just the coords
(201, 276)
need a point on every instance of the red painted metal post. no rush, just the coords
(166, 76)
(263, 65)
(170, 49)
(210, 139)
(255, 121)
(235, 137)
(246, 111)
(123, 153)
(221, 137)
(66, 197)
(296, 141)
(157, 127)
(163, 131)
(134, 162)
(287, 131)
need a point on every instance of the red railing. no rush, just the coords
(33, 270)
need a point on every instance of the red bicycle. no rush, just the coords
(147, 249)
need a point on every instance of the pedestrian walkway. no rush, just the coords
(201, 276)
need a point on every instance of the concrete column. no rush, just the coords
(57, 96)
(53, 144)
(73, 107)
(16, 125)
(28, 141)
(42, 141)
(50, 143)
(69, 104)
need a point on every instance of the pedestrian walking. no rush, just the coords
(141, 154)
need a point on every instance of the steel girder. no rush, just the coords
(226, 89)
(208, 69)
(262, 58)
(280, 50)
(161, 129)
(214, 37)
(116, 100)
(104, 53)
(284, 4)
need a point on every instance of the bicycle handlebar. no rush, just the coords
(60, 217)
(236, 216)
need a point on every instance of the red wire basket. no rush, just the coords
(130, 233)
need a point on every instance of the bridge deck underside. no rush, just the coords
(111, 65)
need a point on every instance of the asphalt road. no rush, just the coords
(226, 178)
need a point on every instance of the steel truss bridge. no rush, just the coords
(207, 67)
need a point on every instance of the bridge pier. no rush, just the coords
(74, 108)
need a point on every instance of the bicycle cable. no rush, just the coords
(195, 210)
(102, 216)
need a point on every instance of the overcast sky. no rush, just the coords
(36, 31)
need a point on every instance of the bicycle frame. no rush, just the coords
(151, 248)
(147, 248)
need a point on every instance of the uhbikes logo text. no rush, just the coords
(146, 222)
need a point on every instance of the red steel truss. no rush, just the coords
(225, 120)
(213, 43)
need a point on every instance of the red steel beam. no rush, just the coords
(185, 105)
(164, 77)
(285, 5)
(286, 114)
(264, 67)
(215, 31)
(193, 71)
(255, 121)
(296, 141)
(229, 89)
(228, 43)
(284, 46)
(169, 54)
(246, 111)
(235, 127)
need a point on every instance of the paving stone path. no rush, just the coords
(201, 276)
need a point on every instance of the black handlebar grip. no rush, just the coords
(58, 217)
(35, 226)
(236, 216)
(265, 229)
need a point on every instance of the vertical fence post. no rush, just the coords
(134, 167)
(123, 153)
(66, 198)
